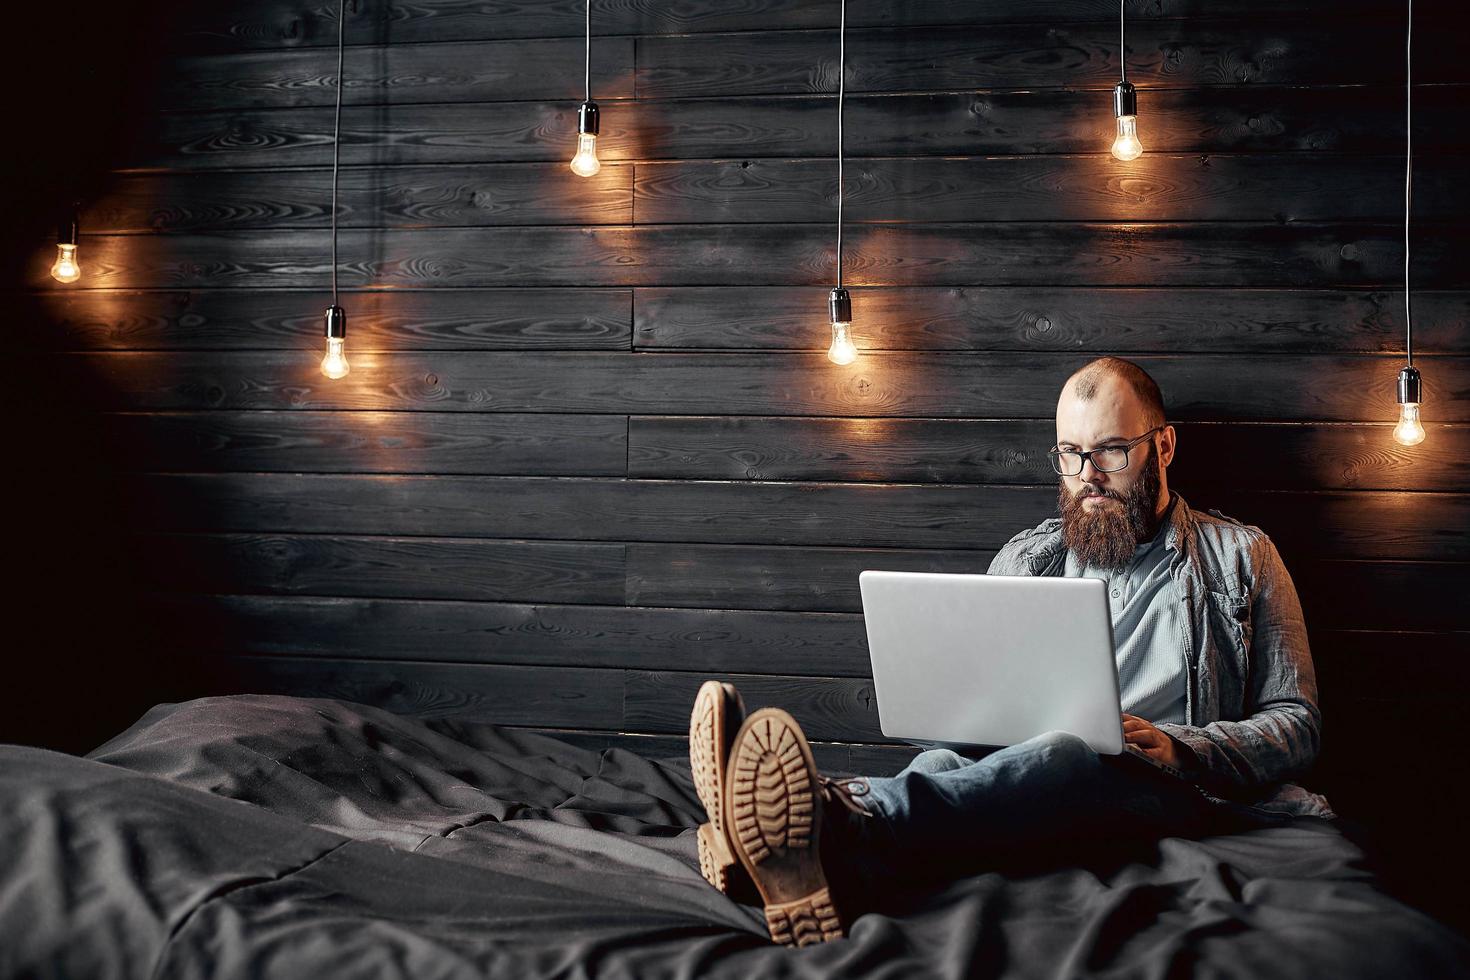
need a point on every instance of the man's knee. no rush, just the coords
(938, 760)
(1063, 748)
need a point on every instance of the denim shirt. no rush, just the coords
(1250, 717)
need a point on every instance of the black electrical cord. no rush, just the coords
(1122, 58)
(841, 93)
(337, 138)
(587, 58)
(1408, 176)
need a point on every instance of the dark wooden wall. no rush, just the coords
(591, 451)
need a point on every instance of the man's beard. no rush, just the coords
(1107, 536)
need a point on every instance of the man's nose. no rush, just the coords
(1090, 473)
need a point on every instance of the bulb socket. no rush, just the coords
(1125, 99)
(1411, 391)
(67, 230)
(336, 323)
(839, 305)
(588, 121)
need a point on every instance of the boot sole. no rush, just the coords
(775, 815)
(708, 724)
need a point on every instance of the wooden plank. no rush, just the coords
(743, 577)
(847, 449)
(1350, 666)
(258, 319)
(271, 24)
(554, 696)
(372, 567)
(647, 746)
(880, 760)
(368, 442)
(1323, 456)
(1197, 388)
(831, 757)
(1203, 120)
(1373, 595)
(656, 702)
(1381, 596)
(509, 633)
(1047, 318)
(758, 628)
(1354, 525)
(827, 708)
(371, 136)
(1421, 671)
(483, 70)
(586, 509)
(1352, 456)
(843, 709)
(1004, 253)
(1042, 318)
(1351, 525)
(1157, 187)
(394, 197)
(1175, 54)
(1213, 120)
(1161, 54)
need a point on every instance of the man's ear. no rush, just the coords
(1167, 447)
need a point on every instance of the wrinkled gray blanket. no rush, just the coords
(282, 837)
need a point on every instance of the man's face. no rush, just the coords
(1106, 515)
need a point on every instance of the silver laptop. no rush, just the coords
(990, 660)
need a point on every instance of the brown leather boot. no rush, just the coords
(774, 806)
(718, 712)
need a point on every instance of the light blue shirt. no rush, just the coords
(1251, 717)
(1148, 630)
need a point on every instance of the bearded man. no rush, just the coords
(1215, 676)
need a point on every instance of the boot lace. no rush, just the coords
(844, 791)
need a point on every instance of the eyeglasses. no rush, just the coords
(1105, 459)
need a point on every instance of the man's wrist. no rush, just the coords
(1188, 761)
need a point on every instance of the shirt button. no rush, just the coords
(1115, 593)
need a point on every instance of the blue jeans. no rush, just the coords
(1048, 800)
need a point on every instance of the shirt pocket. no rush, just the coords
(1230, 621)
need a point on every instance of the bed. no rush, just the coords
(290, 837)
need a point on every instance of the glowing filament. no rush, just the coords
(1409, 432)
(585, 163)
(335, 365)
(66, 268)
(1126, 146)
(842, 350)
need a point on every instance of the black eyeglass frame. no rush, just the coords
(1086, 457)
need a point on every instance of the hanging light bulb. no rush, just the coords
(66, 268)
(839, 303)
(334, 364)
(585, 163)
(839, 306)
(1409, 431)
(1125, 104)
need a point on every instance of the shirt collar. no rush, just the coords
(1166, 526)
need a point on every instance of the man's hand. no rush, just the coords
(1154, 743)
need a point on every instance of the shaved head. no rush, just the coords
(1092, 377)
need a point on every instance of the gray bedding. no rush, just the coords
(282, 837)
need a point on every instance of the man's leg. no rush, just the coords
(946, 814)
(794, 830)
